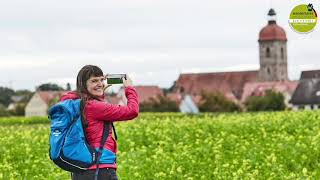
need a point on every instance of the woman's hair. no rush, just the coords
(84, 74)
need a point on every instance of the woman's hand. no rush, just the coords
(106, 86)
(127, 82)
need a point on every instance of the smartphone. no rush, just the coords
(115, 78)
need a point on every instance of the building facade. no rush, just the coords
(273, 51)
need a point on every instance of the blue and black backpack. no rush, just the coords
(69, 148)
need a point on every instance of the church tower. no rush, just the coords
(273, 51)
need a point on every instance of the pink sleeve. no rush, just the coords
(109, 112)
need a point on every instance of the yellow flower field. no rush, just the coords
(273, 145)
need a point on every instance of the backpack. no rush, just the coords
(69, 148)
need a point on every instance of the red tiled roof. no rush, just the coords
(259, 88)
(310, 74)
(176, 97)
(147, 92)
(47, 96)
(307, 92)
(272, 32)
(225, 82)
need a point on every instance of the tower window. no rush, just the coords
(268, 70)
(268, 52)
(282, 53)
(181, 90)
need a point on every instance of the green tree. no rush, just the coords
(3, 111)
(20, 109)
(49, 87)
(272, 101)
(68, 87)
(5, 96)
(216, 102)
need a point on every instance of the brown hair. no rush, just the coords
(84, 74)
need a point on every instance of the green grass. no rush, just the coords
(9, 121)
(275, 145)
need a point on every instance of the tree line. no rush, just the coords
(217, 102)
(21, 97)
(210, 101)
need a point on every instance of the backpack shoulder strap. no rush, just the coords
(104, 138)
(105, 135)
(114, 131)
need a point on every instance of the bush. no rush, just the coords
(49, 87)
(272, 101)
(217, 102)
(19, 110)
(159, 104)
(3, 111)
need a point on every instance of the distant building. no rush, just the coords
(12, 106)
(188, 105)
(40, 102)
(312, 74)
(145, 93)
(15, 101)
(273, 51)
(273, 68)
(307, 94)
(229, 83)
(17, 98)
(287, 88)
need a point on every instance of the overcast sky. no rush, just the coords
(153, 41)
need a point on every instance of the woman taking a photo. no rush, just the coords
(95, 111)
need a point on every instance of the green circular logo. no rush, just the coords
(303, 18)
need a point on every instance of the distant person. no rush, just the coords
(95, 111)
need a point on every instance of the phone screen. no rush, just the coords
(115, 78)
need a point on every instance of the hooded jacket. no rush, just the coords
(98, 111)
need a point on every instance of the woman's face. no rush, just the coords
(95, 85)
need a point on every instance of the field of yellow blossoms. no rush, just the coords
(269, 145)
